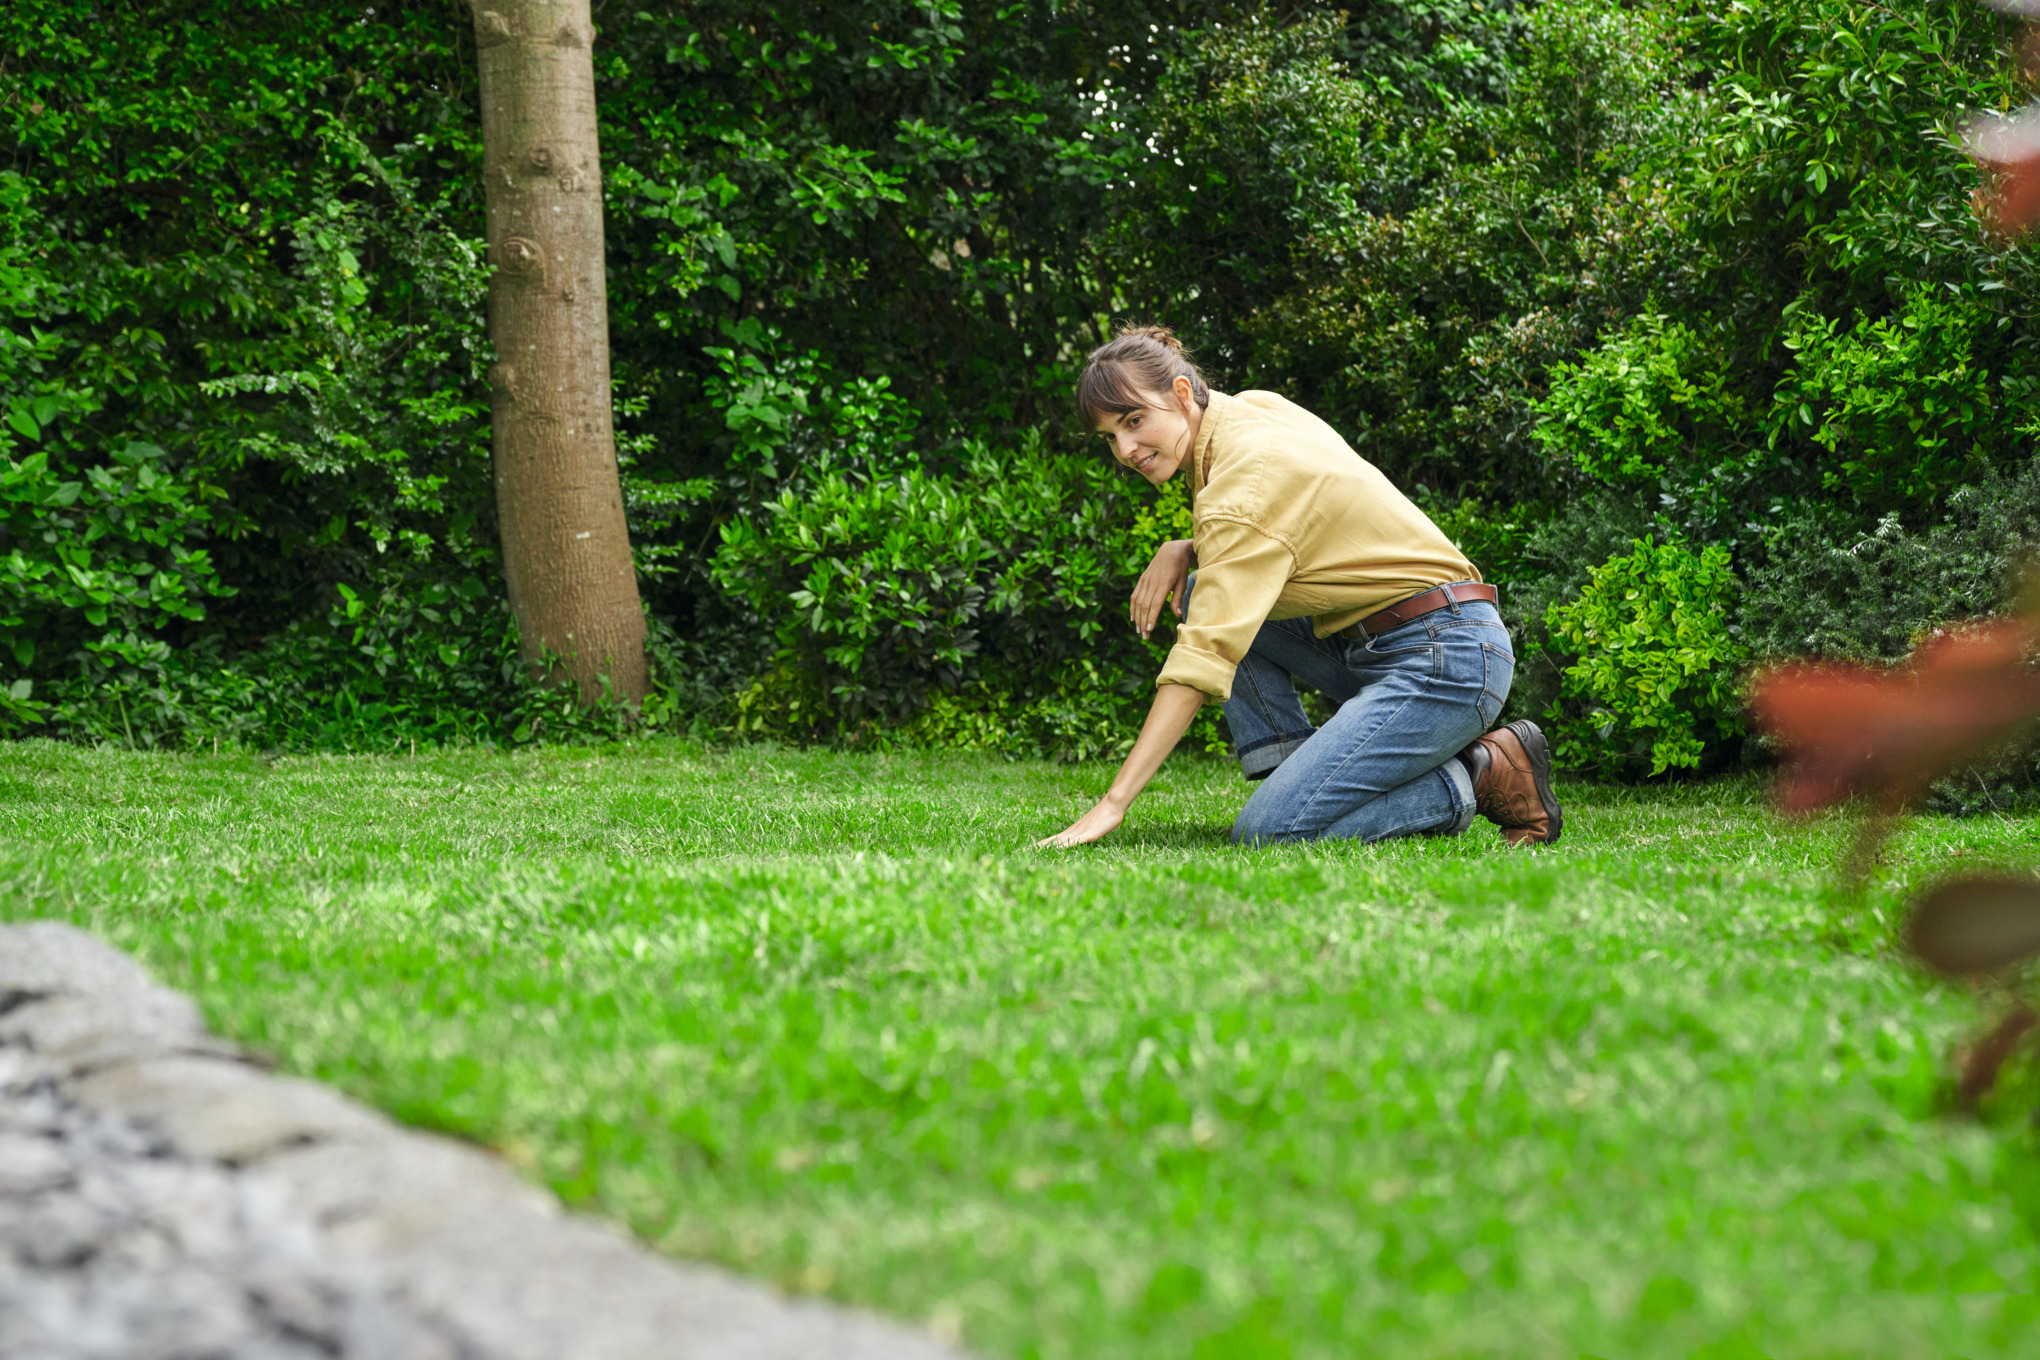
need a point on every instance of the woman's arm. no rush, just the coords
(1174, 708)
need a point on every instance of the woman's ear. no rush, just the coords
(1186, 395)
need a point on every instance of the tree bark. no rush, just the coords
(566, 550)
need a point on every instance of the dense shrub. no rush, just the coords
(241, 303)
(1825, 585)
(1505, 223)
(985, 609)
(1578, 276)
(1657, 658)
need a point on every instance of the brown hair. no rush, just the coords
(1128, 371)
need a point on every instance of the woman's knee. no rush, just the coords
(1252, 831)
(1266, 821)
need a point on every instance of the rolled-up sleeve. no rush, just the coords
(1240, 575)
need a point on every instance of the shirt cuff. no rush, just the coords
(1199, 669)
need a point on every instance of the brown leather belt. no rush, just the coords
(1416, 606)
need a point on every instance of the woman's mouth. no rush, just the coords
(1143, 464)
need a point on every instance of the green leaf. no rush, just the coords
(24, 422)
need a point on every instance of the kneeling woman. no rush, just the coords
(1311, 566)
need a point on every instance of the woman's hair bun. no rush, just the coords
(1161, 335)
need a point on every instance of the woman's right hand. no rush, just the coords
(1164, 582)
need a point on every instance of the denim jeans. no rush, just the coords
(1409, 700)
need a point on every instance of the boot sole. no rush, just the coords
(1534, 746)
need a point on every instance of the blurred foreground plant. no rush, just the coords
(1884, 735)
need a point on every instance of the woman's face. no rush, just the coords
(1156, 439)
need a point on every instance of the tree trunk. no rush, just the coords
(566, 550)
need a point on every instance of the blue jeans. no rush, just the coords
(1409, 700)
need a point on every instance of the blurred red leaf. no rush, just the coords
(2010, 204)
(1889, 733)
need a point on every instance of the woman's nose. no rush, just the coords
(1123, 444)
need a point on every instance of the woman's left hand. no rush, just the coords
(1165, 581)
(1096, 824)
(1169, 717)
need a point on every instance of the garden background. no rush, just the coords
(1676, 317)
(1679, 320)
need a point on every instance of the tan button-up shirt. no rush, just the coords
(1291, 522)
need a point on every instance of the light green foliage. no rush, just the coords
(1164, 518)
(1493, 539)
(1654, 395)
(791, 407)
(1900, 401)
(1657, 1093)
(1658, 660)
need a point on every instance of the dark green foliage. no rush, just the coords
(1573, 274)
(254, 316)
(245, 236)
(1514, 219)
(898, 607)
(1826, 585)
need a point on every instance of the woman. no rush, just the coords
(1311, 566)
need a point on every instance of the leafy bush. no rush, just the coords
(1821, 584)
(404, 666)
(1831, 395)
(1906, 404)
(977, 608)
(105, 535)
(1824, 586)
(1576, 275)
(1658, 660)
(1653, 396)
(243, 237)
(1503, 223)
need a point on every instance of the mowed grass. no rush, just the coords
(1658, 1091)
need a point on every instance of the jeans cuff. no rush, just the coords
(1456, 778)
(1259, 760)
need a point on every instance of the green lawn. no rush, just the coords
(1659, 1091)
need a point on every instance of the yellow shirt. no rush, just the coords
(1291, 522)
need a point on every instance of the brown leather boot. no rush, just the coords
(1511, 769)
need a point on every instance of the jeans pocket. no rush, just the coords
(1372, 665)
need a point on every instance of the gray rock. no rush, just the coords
(56, 1232)
(80, 1033)
(29, 1162)
(48, 958)
(225, 1110)
(162, 1200)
